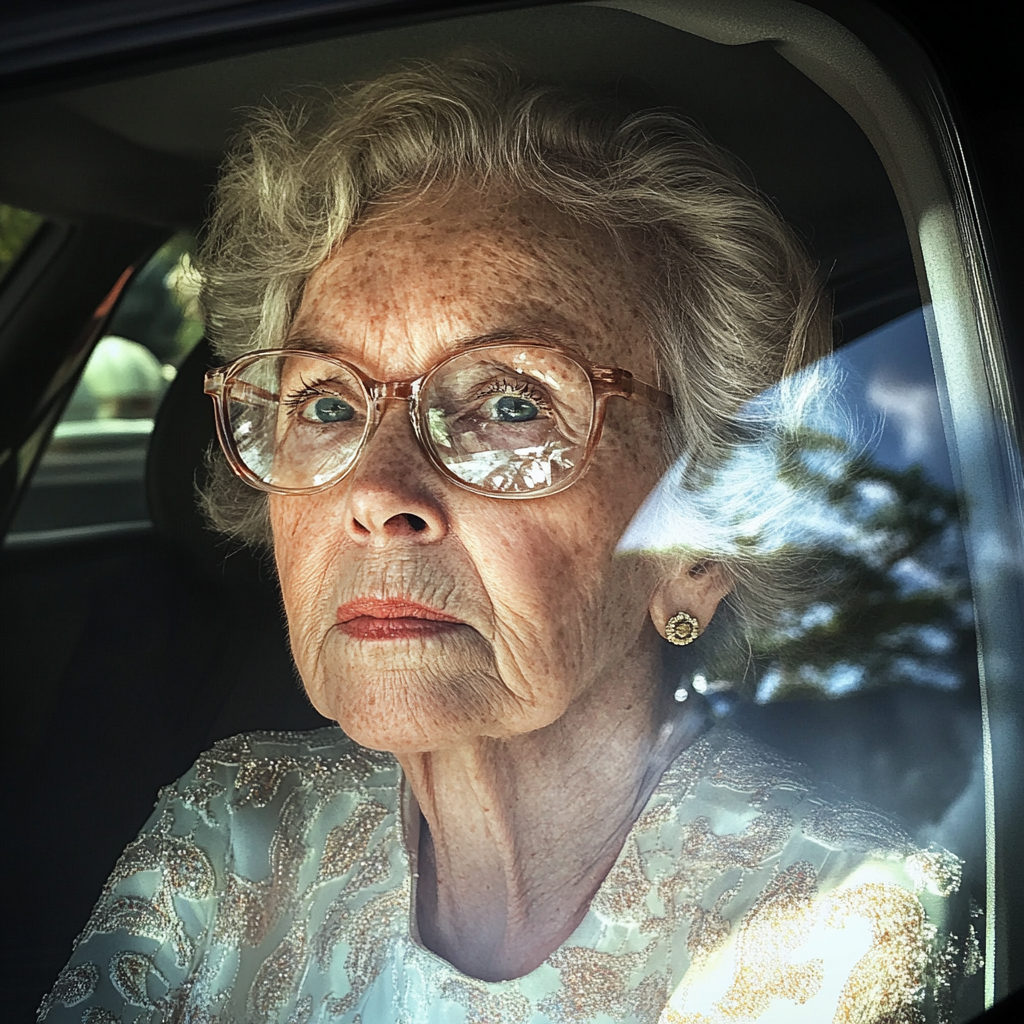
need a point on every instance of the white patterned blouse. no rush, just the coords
(273, 884)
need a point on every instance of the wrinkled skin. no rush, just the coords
(549, 684)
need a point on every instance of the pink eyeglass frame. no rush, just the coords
(606, 382)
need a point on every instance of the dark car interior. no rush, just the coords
(134, 640)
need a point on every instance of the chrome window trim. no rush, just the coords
(900, 107)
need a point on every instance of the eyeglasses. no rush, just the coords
(506, 419)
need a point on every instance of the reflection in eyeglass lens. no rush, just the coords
(509, 420)
(322, 420)
(516, 420)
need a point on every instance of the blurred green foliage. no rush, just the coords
(16, 230)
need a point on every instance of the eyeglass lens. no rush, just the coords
(511, 419)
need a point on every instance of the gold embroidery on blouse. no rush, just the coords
(778, 924)
(240, 919)
(137, 916)
(73, 984)
(275, 980)
(482, 1006)
(745, 766)
(709, 929)
(376, 867)
(888, 978)
(592, 982)
(623, 894)
(680, 776)
(347, 843)
(974, 960)
(705, 858)
(193, 1001)
(129, 974)
(98, 1015)
(847, 826)
(652, 820)
(302, 1012)
(763, 837)
(249, 910)
(259, 776)
(886, 984)
(367, 932)
(199, 795)
(185, 870)
(337, 922)
(935, 870)
(647, 1002)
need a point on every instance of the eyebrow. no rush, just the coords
(309, 343)
(526, 331)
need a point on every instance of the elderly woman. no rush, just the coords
(470, 323)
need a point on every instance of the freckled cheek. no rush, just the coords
(300, 555)
(545, 567)
(634, 451)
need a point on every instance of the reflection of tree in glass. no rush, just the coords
(869, 675)
(895, 606)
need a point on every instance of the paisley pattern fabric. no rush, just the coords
(273, 884)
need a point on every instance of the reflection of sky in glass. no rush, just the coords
(875, 400)
(890, 376)
(876, 396)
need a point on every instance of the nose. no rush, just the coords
(393, 491)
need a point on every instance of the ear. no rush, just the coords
(697, 588)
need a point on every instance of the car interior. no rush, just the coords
(134, 637)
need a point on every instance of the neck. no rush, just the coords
(518, 833)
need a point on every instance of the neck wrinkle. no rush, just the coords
(512, 861)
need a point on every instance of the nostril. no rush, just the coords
(401, 524)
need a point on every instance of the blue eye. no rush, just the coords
(332, 410)
(513, 409)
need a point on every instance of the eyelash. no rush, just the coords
(520, 388)
(321, 388)
(317, 389)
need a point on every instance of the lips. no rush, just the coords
(373, 618)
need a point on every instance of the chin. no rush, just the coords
(417, 712)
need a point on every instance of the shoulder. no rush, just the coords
(243, 791)
(220, 864)
(732, 784)
(828, 827)
(249, 794)
(258, 770)
(816, 898)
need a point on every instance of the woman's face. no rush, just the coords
(529, 607)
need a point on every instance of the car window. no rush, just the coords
(91, 477)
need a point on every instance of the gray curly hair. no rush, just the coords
(731, 300)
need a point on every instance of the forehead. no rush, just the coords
(414, 282)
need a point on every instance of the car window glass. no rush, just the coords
(868, 674)
(887, 634)
(91, 475)
(17, 227)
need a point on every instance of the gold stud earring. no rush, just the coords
(682, 629)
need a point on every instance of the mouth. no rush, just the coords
(373, 618)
